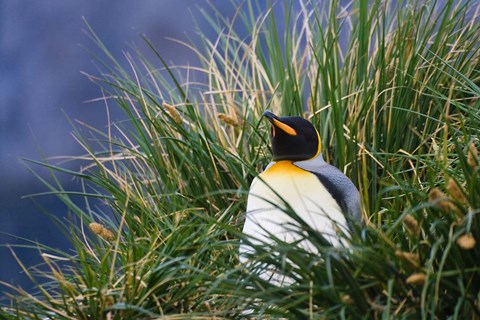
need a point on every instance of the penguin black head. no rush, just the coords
(293, 138)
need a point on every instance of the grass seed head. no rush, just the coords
(229, 120)
(454, 190)
(412, 225)
(96, 227)
(100, 230)
(472, 156)
(412, 258)
(440, 199)
(347, 299)
(416, 279)
(172, 111)
(107, 235)
(466, 242)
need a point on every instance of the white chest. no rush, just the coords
(284, 187)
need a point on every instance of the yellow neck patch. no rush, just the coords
(319, 145)
(284, 167)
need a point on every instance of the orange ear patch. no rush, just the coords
(284, 127)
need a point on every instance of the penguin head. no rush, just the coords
(293, 138)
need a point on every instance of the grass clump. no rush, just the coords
(393, 88)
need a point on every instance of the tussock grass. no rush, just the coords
(393, 89)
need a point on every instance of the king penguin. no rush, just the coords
(298, 178)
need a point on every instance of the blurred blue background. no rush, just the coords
(41, 60)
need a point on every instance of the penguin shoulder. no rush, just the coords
(336, 182)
